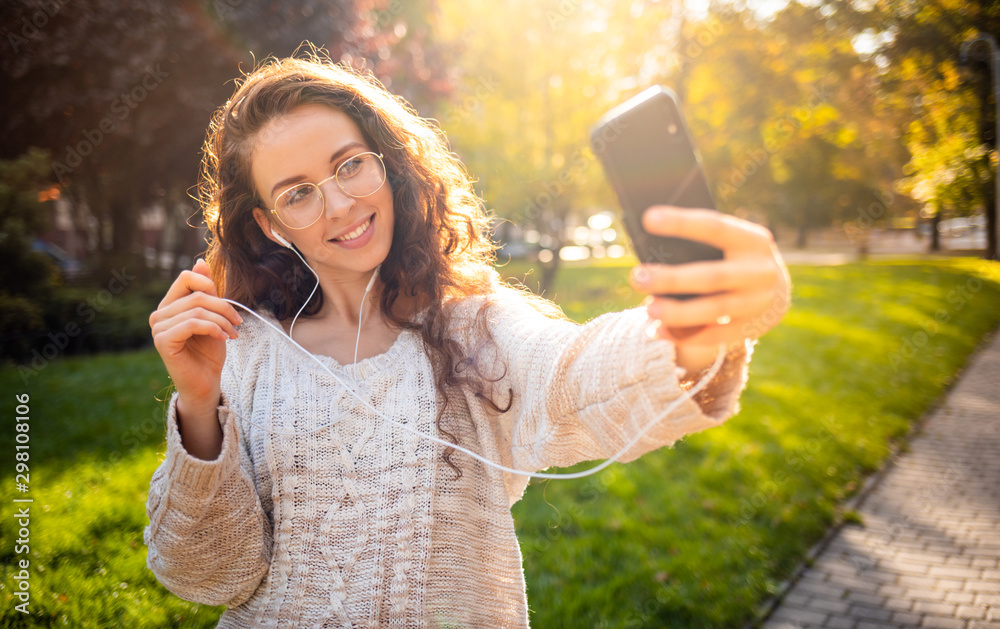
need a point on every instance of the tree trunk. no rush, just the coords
(802, 239)
(549, 272)
(989, 195)
(935, 234)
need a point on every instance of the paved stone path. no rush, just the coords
(928, 554)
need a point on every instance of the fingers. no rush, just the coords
(709, 335)
(201, 267)
(186, 283)
(171, 339)
(730, 307)
(704, 277)
(725, 232)
(225, 326)
(193, 295)
(201, 304)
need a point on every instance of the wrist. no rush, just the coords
(695, 358)
(199, 406)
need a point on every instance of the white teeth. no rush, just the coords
(357, 232)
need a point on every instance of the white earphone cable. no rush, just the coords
(689, 393)
(713, 370)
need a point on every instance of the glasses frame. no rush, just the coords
(319, 188)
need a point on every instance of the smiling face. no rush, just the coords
(309, 144)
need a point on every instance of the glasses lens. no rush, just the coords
(299, 206)
(361, 175)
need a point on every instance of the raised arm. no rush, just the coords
(208, 536)
(209, 539)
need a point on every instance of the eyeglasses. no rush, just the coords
(301, 205)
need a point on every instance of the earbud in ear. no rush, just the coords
(282, 240)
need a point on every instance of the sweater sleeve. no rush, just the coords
(208, 537)
(582, 392)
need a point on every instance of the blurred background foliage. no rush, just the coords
(849, 115)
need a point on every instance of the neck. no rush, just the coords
(342, 298)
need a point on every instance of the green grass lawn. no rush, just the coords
(696, 535)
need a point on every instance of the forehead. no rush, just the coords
(300, 144)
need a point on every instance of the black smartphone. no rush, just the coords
(647, 153)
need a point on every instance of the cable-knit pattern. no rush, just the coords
(398, 590)
(346, 518)
(363, 524)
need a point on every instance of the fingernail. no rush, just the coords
(640, 275)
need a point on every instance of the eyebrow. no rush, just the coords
(300, 178)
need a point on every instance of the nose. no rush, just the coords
(337, 203)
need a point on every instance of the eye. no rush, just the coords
(296, 197)
(352, 166)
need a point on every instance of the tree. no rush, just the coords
(918, 44)
(121, 93)
(794, 134)
(25, 273)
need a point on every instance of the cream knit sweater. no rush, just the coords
(362, 524)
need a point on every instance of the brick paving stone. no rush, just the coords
(838, 606)
(939, 609)
(865, 598)
(801, 616)
(940, 622)
(906, 619)
(933, 596)
(928, 554)
(968, 611)
(898, 604)
(865, 612)
(959, 597)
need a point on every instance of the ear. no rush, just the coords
(267, 226)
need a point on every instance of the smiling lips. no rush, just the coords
(355, 233)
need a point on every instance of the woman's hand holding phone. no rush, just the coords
(190, 327)
(741, 296)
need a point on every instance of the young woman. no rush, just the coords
(298, 490)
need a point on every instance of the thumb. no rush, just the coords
(200, 266)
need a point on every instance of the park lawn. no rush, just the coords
(696, 535)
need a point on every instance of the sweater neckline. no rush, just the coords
(362, 368)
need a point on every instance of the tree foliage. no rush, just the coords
(25, 273)
(121, 93)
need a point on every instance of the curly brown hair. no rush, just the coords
(440, 230)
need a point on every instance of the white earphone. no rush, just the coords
(281, 239)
